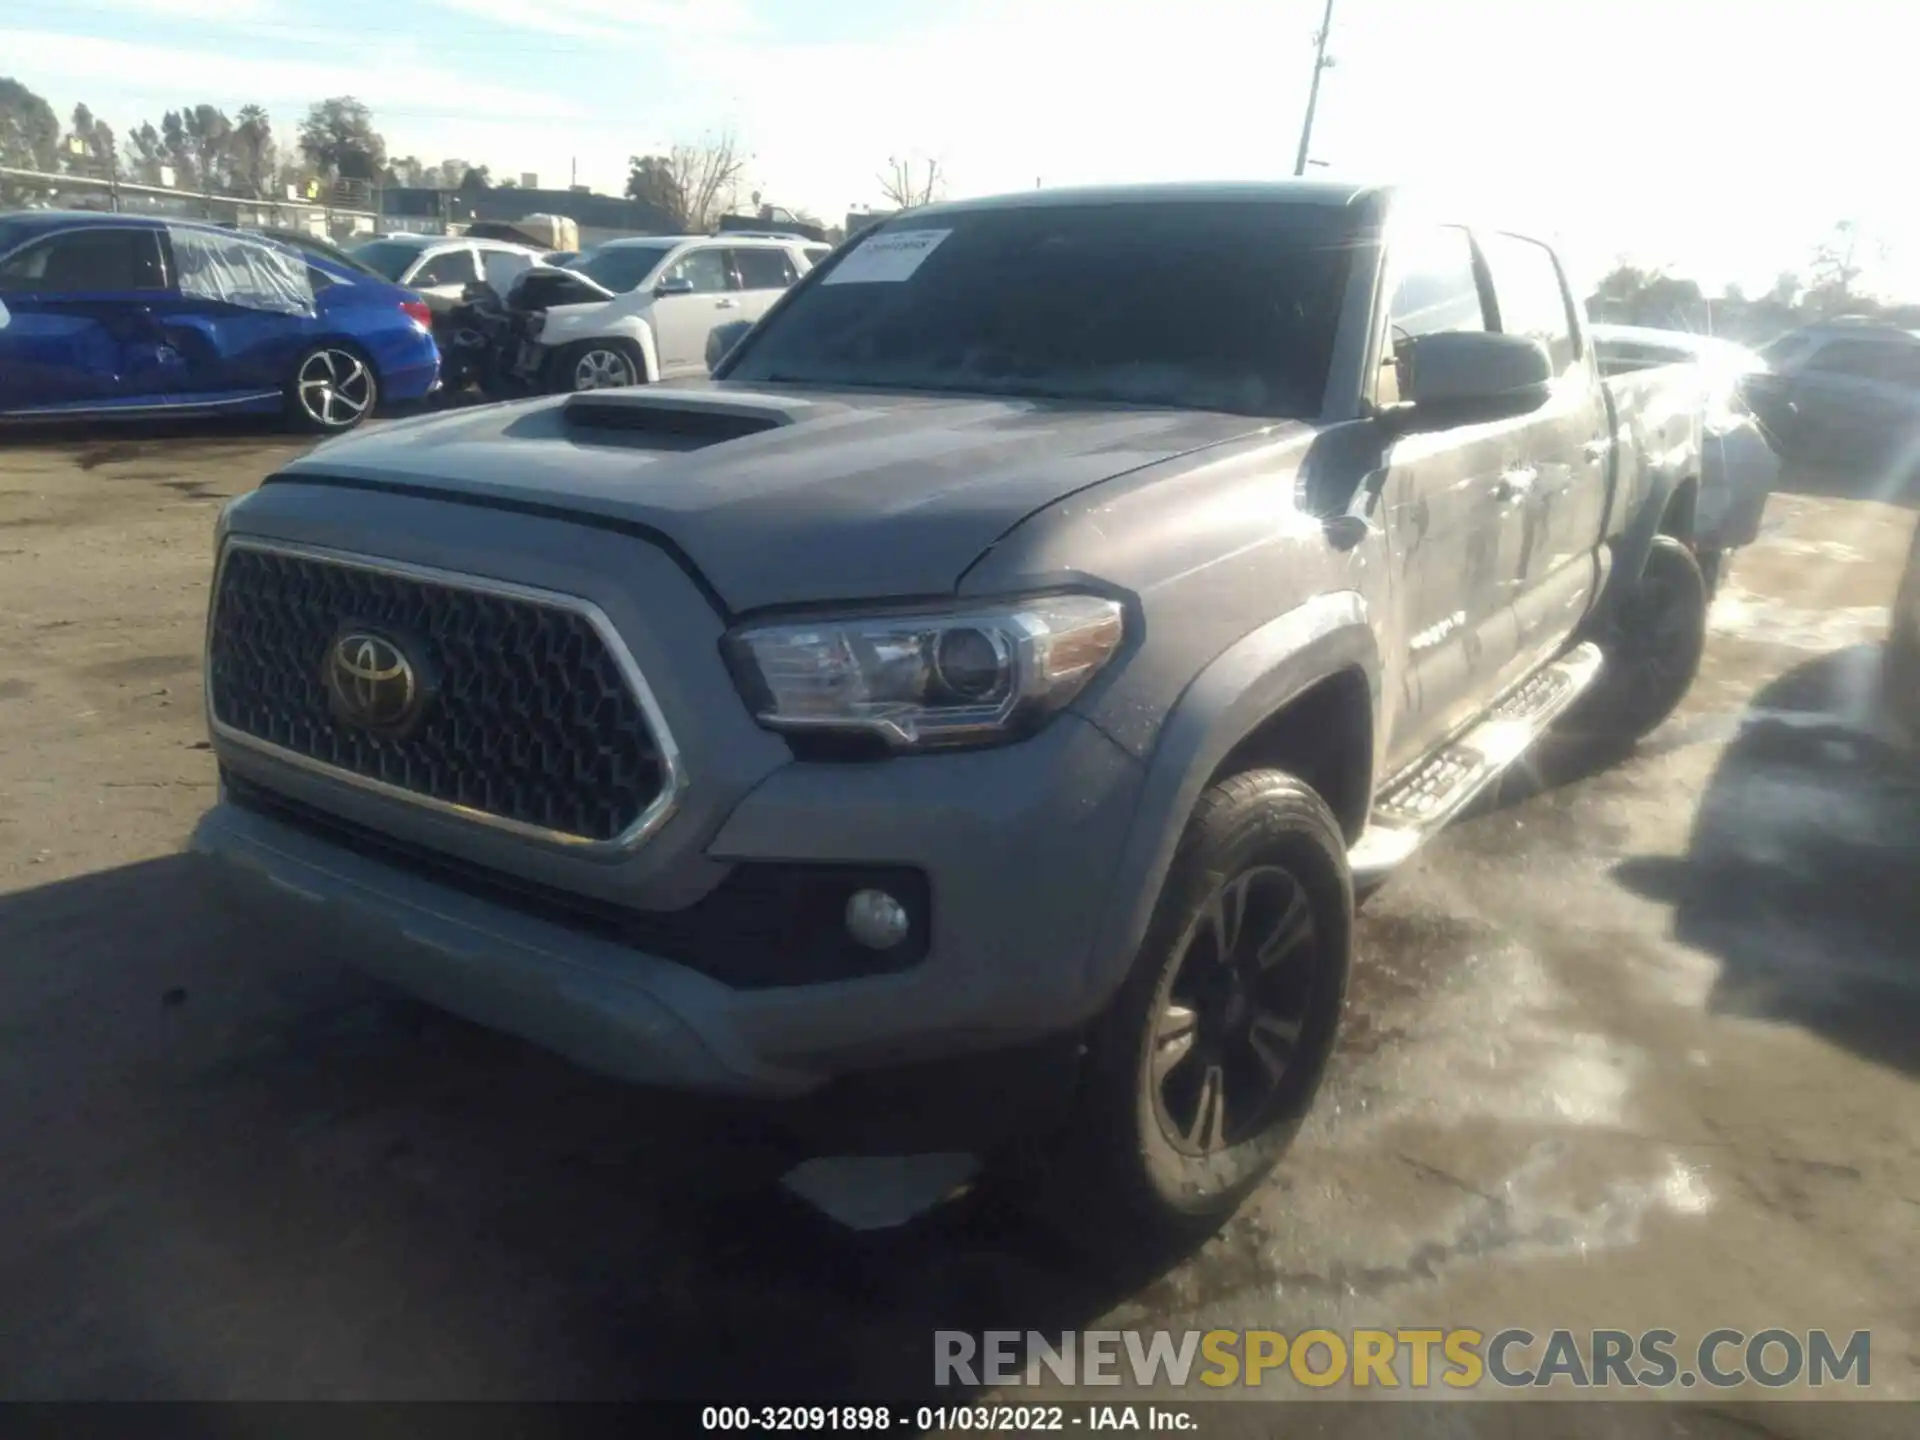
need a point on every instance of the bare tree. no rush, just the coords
(694, 184)
(908, 185)
(1837, 268)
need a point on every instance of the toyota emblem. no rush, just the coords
(373, 683)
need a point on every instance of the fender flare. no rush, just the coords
(1636, 541)
(624, 327)
(1242, 687)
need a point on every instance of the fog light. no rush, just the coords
(876, 919)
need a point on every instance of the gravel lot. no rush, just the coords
(1635, 1048)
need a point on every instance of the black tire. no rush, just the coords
(1652, 648)
(332, 389)
(1147, 1163)
(570, 366)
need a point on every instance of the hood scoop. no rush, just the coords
(678, 415)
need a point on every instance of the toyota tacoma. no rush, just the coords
(964, 720)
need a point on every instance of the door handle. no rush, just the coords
(726, 304)
(1516, 484)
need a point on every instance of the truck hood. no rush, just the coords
(785, 497)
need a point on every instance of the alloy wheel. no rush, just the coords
(602, 369)
(1230, 1022)
(335, 388)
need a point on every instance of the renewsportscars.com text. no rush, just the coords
(1417, 1359)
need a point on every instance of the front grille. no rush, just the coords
(531, 720)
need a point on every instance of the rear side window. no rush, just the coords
(1437, 288)
(87, 262)
(764, 269)
(816, 253)
(1530, 295)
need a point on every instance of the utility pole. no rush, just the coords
(1321, 62)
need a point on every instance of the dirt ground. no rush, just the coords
(1637, 1048)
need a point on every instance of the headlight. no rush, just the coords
(918, 681)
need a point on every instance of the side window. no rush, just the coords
(503, 267)
(1530, 296)
(706, 269)
(767, 269)
(1889, 363)
(816, 253)
(318, 279)
(87, 262)
(1436, 288)
(449, 267)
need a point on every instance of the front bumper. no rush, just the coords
(1019, 846)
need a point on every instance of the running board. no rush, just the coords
(1420, 801)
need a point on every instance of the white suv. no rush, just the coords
(670, 293)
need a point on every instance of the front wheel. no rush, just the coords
(596, 365)
(1204, 1066)
(332, 390)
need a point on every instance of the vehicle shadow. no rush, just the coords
(1799, 875)
(233, 1167)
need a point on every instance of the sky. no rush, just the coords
(1720, 139)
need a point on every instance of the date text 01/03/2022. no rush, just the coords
(940, 1419)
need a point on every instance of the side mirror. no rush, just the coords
(674, 285)
(721, 340)
(1468, 377)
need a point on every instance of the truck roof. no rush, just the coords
(1293, 192)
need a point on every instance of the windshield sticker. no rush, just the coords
(886, 259)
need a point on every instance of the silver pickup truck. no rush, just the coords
(964, 722)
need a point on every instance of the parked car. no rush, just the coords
(440, 267)
(310, 245)
(976, 708)
(1739, 467)
(672, 291)
(104, 315)
(1844, 394)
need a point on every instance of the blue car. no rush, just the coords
(122, 315)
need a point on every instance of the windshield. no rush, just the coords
(620, 267)
(387, 258)
(1224, 306)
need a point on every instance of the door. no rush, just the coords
(764, 273)
(441, 277)
(1555, 486)
(1443, 513)
(682, 321)
(235, 318)
(80, 330)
